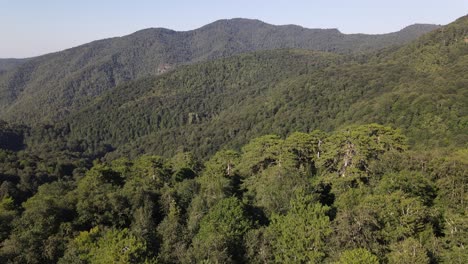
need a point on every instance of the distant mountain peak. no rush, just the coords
(420, 27)
(157, 30)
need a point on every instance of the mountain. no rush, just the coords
(49, 87)
(272, 156)
(419, 88)
(8, 64)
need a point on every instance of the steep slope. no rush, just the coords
(191, 99)
(420, 88)
(8, 64)
(49, 87)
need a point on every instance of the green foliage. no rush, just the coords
(408, 251)
(399, 216)
(52, 86)
(449, 170)
(350, 152)
(221, 231)
(38, 235)
(279, 200)
(257, 244)
(299, 236)
(230, 101)
(79, 249)
(305, 149)
(353, 194)
(456, 228)
(118, 246)
(411, 183)
(355, 226)
(261, 153)
(218, 179)
(173, 236)
(100, 200)
(358, 256)
(185, 165)
(274, 168)
(7, 214)
(273, 189)
(106, 246)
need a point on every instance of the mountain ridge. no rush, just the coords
(49, 87)
(417, 88)
(286, 155)
(425, 27)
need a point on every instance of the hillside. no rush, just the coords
(8, 64)
(269, 156)
(49, 87)
(419, 88)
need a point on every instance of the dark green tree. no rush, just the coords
(300, 235)
(221, 232)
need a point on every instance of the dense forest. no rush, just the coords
(420, 88)
(7, 64)
(356, 195)
(270, 156)
(49, 87)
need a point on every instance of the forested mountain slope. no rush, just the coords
(245, 175)
(7, 64)
(420, 88)
(49, 87)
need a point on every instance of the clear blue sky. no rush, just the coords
(34, 27)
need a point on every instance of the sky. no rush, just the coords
(35, 27)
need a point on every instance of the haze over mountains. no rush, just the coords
(51, 86)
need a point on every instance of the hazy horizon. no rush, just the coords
(37, 28)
